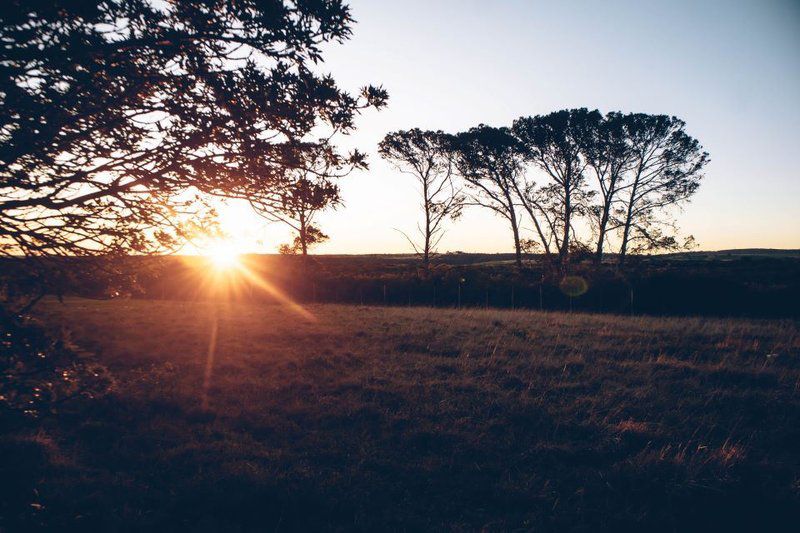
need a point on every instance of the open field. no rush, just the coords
(416, 418)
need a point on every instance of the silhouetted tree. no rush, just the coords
(608, 154)
(666, 170)
(313, 236)
(302, 194)
(553, 143)
(428, 156)
(490, 161)
(114, 114)
(112, 110)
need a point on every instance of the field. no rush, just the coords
(364, 418)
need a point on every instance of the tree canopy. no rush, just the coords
(116, 114)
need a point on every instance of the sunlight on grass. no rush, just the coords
(230, 276)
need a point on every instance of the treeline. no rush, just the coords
(748, 286)
(572, 181)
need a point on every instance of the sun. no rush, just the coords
(222, 255)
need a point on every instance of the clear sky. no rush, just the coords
(730, 69)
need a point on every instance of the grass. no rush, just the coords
(416, 419)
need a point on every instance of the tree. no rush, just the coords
(305, 192)
(666, 171)
(313, 236)
(553, 143)
(608, 154)
(428, 156)
(490, 161)
(112, 111)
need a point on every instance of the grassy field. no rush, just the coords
(414, 418)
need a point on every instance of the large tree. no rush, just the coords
(113, 112)
(666, 170)
(118, 118)
(607, 150)
(428, 156)
(490, 161)
(553, 143)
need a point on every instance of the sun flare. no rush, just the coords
(223, 255)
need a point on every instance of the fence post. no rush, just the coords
(384, 294)
(631, 301)
(512, 298)
(541, 300)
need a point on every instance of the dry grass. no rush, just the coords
(415, 418)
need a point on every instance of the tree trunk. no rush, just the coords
(598, 257)
(538, 227)
(303, 236)
(624, 247)
(303, 244)
(426, 254)
(563, 255)
(515, 230)
(531, 207)
(628, 220)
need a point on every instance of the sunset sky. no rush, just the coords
(731, 70)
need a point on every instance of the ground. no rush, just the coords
(372, 418)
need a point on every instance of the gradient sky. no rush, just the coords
(730, 69)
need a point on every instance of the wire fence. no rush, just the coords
(647, 296)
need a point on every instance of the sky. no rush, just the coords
(729, 69)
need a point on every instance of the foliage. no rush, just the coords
(313, 236)
(120, 119)
(41, 370)
(117, 116)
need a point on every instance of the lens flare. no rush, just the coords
(222, 256)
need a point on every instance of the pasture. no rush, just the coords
(250, 417)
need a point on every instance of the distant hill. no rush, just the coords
(465, 258)
(479, 257)
(737, 253)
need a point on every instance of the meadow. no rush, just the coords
(251, 417)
